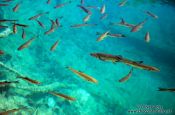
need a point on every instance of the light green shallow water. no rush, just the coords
(108, 97)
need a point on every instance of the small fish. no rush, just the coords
(116, 35)
(29, 80)
(138, 26)
(22, 25)
(7, 20)
(57, 22)
(102, 10)
(53, 47)
(122, 3)
(7, 82)
(48, 1)
(26, 44)
(103, 16)
(15, 9)
(151, 14)
(23, 34)
(1, 52)
(52, 28)
(167, 89)
(37, 16)
(123, 23)
(62, 96)
(15, 28)
(62, 5)
(147, 37)
(86, 18)
(82, 25)
(85, 9)
(12, 111)
(103, 36)
(40, 23)
(125, 78)
(4, 4)
(83, 75)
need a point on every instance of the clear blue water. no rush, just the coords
(108, 97)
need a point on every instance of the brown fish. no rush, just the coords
(62, 5)
(83, 75)
(15, 28)
(1, 52)
(102, 10)
(12, 111)
(82, 25)
(62, 96)
(147, 37)
(86, 18)
(29, 80)
(118, 58)
(37, 16)
(53, 47)
(52, 28)
(23, 34)
(15, 9)
(125, 78)
(26, 44)
(151, 14)
(7, 82)
(122, 3)
(167, 89)
(40, 23)
(138, 26)
(103, 36)
(48, 1)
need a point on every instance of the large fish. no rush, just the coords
(83, 75)
(125, 78)
(26, 44)
(117, 58)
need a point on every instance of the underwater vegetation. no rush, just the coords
(87, 57)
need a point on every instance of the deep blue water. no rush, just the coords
(108, 97)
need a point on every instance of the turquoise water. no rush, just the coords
(108, 97)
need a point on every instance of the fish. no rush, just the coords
(82, 25)
(125, 78)
(23, 34)
(37, 16)
(57, 22)
(138, 26)
(53, 47)
(122, 3)
(62, 96)
(7, 20)
(29, 80)
(62, 5)
(52, 28)
(102, 10)
(151, 14)
(147, 37)
(48, 1)
(84, 9)
(1, 52)
(125, 23)
(116, 35)
(12, 111)
(7, 82)
(83, 75)
(118, 58)
(103, 36)
(103, 16)
(15, 28)
(15, 9)
(40, 23)
(22, 25)
(167, 89)
(1, 26)
(26, 44)
(85, 19)
(4, 4)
